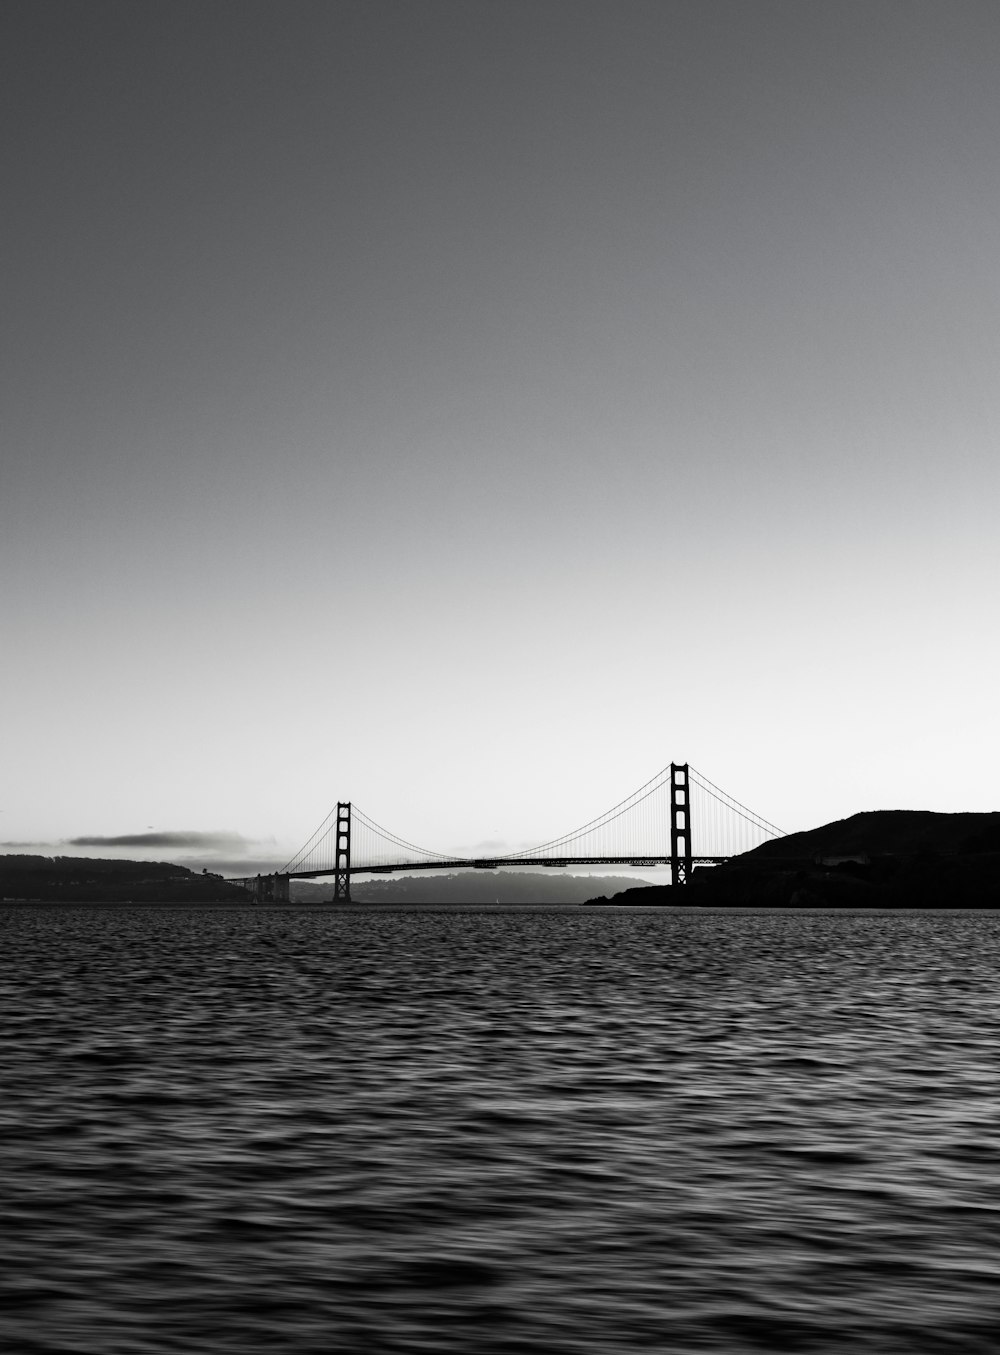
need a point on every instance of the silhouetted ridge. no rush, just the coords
(885, 832)
(886, 858)
(86, 879)
(478, 888)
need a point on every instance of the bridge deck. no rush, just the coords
(505, 863)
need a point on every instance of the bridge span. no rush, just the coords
(654, 826)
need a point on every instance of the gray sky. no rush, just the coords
(467, 407)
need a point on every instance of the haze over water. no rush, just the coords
(250, 1130)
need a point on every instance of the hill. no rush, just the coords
(76, 879)
(84, 879)
(885, 832)
(891, 858)
(471, 887)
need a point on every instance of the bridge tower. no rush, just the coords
(680, 824)
(342, 854)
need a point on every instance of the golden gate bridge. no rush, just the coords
(678, 819)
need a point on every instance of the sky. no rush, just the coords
(468, 407)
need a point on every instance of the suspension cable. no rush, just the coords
(629, 803)
(622, 807)
(310, 842)
(401, 842)
(731, 802)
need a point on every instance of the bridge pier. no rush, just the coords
(342, 854)
(680, 824)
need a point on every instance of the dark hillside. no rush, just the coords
(884, 832)
(471, 887)
(891, 858)
(80, 879)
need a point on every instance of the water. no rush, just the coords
(597, 1130)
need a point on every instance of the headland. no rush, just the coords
(890, 858)
(83, 879)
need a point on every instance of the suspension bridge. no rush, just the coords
(678, 819)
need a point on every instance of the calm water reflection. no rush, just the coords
(589, 1131)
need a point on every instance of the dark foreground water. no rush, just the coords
(290, 1130)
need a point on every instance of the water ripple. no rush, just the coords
(448, 1131)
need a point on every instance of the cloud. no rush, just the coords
(203, 842)
(226, 853)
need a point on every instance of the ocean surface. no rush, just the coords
(555, 1130)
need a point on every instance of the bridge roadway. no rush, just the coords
(506, 863)
(274, 888)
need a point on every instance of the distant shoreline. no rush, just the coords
(599, 906)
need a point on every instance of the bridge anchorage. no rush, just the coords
(265, 888)
(631, 833)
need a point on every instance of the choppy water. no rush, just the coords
(282, 1130)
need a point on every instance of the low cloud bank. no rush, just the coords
(206, 842)
(223, 853)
